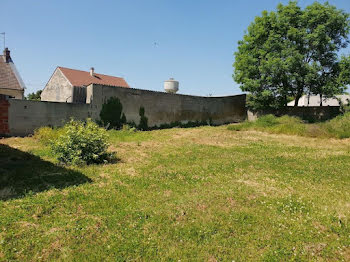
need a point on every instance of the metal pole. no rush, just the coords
(4, 38)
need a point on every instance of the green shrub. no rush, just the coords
(81, 143)
(112, 114)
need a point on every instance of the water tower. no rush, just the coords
(171, 86)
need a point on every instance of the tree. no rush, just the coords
(34, 96)
(143, 125)
(111, 113)
(291, 52)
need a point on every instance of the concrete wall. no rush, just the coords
(309, 113)
(58, 89)
(163, 108)
(25, 116)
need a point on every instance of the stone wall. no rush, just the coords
(308, 113)
(161, 108)
(25, 116)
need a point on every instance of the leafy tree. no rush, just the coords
(291, 52)
(111, 113)
(34, 96)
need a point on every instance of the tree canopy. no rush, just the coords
(34, 96)
(291, 52)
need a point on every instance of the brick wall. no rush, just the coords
(4, 105)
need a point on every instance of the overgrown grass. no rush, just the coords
(338, 127)
(46, 134)
(197, 194)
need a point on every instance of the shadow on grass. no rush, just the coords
(22, 172)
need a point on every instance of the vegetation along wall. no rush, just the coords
(308, 113)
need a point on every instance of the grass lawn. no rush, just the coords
(197, 194)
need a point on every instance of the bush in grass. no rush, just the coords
(81, 143)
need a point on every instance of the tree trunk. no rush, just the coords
(297, 98)
(321, 100)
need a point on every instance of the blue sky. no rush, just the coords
(195, 39)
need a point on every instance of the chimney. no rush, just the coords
(92, 71)
(7, 55)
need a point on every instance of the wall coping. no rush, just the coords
(165, 93)
(46, 102)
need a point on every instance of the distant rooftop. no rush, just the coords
(9, 76)
(85, 78)
(316, 101)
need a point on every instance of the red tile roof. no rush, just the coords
(83, 78)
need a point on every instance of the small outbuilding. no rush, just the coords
(69, 85)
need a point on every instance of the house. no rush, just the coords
(314, 100)
(69, 85)
(11, 83)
